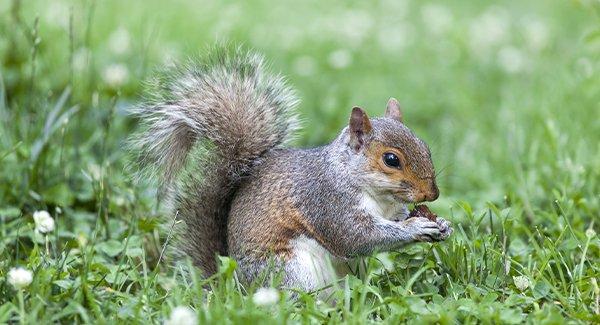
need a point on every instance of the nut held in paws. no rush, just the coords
(423, 212)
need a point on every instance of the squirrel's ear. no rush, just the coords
(393, 110)
(360, 128)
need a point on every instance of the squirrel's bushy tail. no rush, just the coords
(203, 126)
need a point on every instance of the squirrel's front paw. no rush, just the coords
(423, 229)
(445, 228)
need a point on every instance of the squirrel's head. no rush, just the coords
(396, 162)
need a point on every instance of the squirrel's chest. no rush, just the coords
(383, 207)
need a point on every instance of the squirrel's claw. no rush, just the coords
(422, 229)
(426, 230)
(445, 228)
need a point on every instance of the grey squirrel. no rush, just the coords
(214, 134)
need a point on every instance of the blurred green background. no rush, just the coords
(487, 85)
(506, 93)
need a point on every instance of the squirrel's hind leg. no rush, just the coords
(308, 267)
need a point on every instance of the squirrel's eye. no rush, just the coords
(391, 160)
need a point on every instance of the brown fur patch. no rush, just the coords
(422, 185)
(281, 223)
(375, 153)
(286, 219)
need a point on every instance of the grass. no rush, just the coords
(507, 95)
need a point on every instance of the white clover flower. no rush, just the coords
(521, 282)
(536, 34)
(437, 18)
(590, 233)
(19, 277)
(115, 75)
(43, 222)
(511, 59)
(119, 41)
(340, 59)
(265, 297)
(182, 315)
(305, 65)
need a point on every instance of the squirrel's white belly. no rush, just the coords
(312, 263)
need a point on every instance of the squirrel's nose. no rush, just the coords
(433, 194)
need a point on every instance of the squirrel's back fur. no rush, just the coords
(204, 125)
